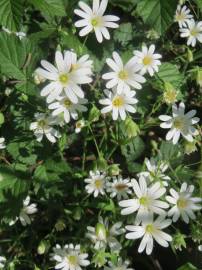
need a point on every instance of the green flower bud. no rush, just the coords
(199, 77)
(114, 170)
(179, 241)
(60, 225)
(94, 114)
(101, 231)
(42, 247)
(190, 147)
(131, 128)
(77, 213)
(190, 55)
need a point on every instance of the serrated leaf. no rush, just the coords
(50, 7)
(158, 14)
(11, 12)
(124, 33)
(12, 56)
(170, 73)
(133, 149)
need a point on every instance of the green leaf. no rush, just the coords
(170, 73)
(11, 12)
(158, 14)
(124, 33)
(133, 149)
(187, 266)
(199, 3)
(50, 7)
(12, 56)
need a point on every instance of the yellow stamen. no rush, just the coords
(118, 101)
(67, 103)
(63, 78)
(178, 123)
(72, 260)
(144, 201)
(182, 203)
(147, 60)
(120, 187)
(123, 75)
(98, 183)
(150, 228)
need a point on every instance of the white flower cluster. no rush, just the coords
(99, 183)
(64, 95)
(188, 27)
(69, 257)
(149, 201)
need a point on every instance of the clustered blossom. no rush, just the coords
(188, 27)
(69, 257)
(99, 183)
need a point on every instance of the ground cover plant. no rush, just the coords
(100, 134)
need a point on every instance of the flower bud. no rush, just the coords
(190, 55)
(100, 231)
(38, 78)
(190, 147)
(199, 77)
(94, 114)
(114, 170)
(131, 128)
(42, 247)
(179, 241)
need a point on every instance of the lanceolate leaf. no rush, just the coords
(158, 14)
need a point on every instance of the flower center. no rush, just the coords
(123, 75)
(73, 260)
(42, 123)
(147, 60)
(178, 123)
(118, 101)
(194, 32)
(63, 78)
(98, 183)
(121, 187)
(67, 103)
(182, 203)
(95, 22)
(144, 201)
(150, 228)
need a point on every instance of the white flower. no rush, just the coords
(69, 257)
(65, 77)
(43, 126)
(28, 209)
(119, 265)
(102, 234)
(79, 125)
(93, 19)
(156, 171)
(182, 15)
(150, 230)
(123, 76)
(96, 183)
(146, 200)
(37, 77)
(183, 203)
(2, 143)
(2, 262)
(82, 64)
(180, 123)
(64, 106)
(148, 60)
(119, 104)
(119, 187)
(192, 32)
